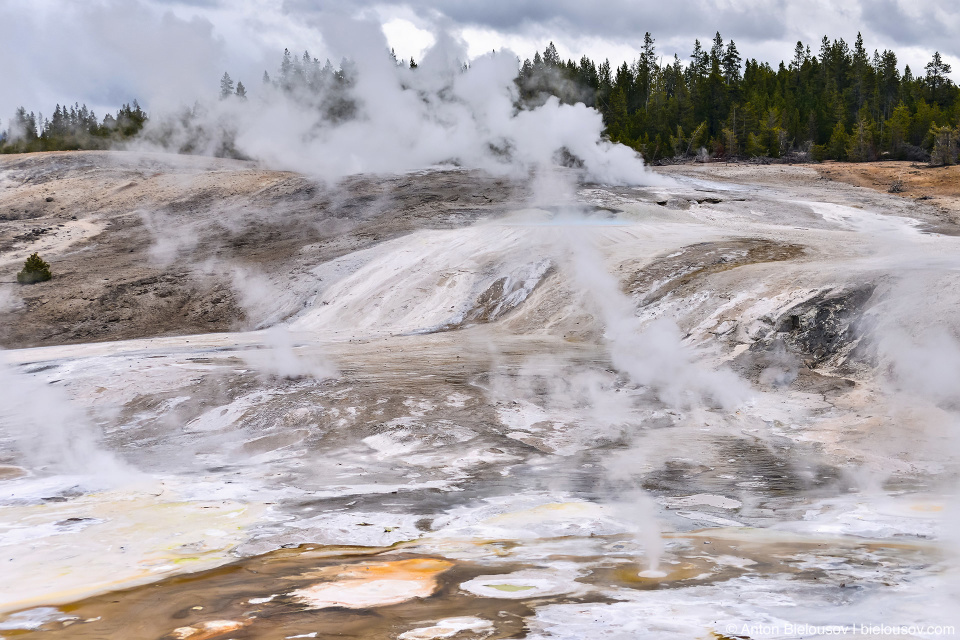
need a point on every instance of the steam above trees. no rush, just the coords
(839, 103)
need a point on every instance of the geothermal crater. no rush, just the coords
(449, 405)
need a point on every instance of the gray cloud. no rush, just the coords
(105, 52)
(764, 29)
(932, 27)
(617, 19)
(191, 3)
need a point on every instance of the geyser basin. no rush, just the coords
(454, 415)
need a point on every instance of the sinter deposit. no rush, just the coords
(446, 404)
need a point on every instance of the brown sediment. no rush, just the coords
(937, 185)
(936, 189)
(197, 605)
(10, 472)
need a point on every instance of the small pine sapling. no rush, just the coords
(34, 270)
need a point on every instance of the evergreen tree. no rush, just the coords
(861, 73)
(860, 145)
(755, 146)
(888, 83)
(839, 141)
(34, 270)
(731, 64)
(937, 70)
(550, 56)
(25, 124)
(897, 135)
(226, 86)
(286, 71)
(241, 91)
(647, 68)
(716, 50)
(945, 145)
(700, 62)
(798, 58)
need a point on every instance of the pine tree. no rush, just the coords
(945, 144)
(699, 65)
(897, 134)
(937, 71)
(550, 56)
(34, 270)
(241, 91)
(729, 142)
(716, 50)
(226, 86)
(839, 140)
(647, 68)
(731, 64)
(286, 71)
(860, 145)
(798, 58)
(755, 146)
(26, 124)
(888, 82)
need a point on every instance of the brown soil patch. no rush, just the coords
(937, 186)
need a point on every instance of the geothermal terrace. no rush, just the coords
(446, 404)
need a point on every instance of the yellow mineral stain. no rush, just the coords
(664, 573)
(927, 508)
(549, 511)
(510, 588)
(132, 538)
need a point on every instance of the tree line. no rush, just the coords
(70, 128)
(840, 103)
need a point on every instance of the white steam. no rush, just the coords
(9, 300)
(927, 366)
(281, 356)
(170, 241)
(48, 431)
(654, 355)
(372, 115)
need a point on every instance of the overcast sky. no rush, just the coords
(166, 52)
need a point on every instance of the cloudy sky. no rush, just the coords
(166, 52)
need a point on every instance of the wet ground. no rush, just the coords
(643, 412)
(467, 588)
